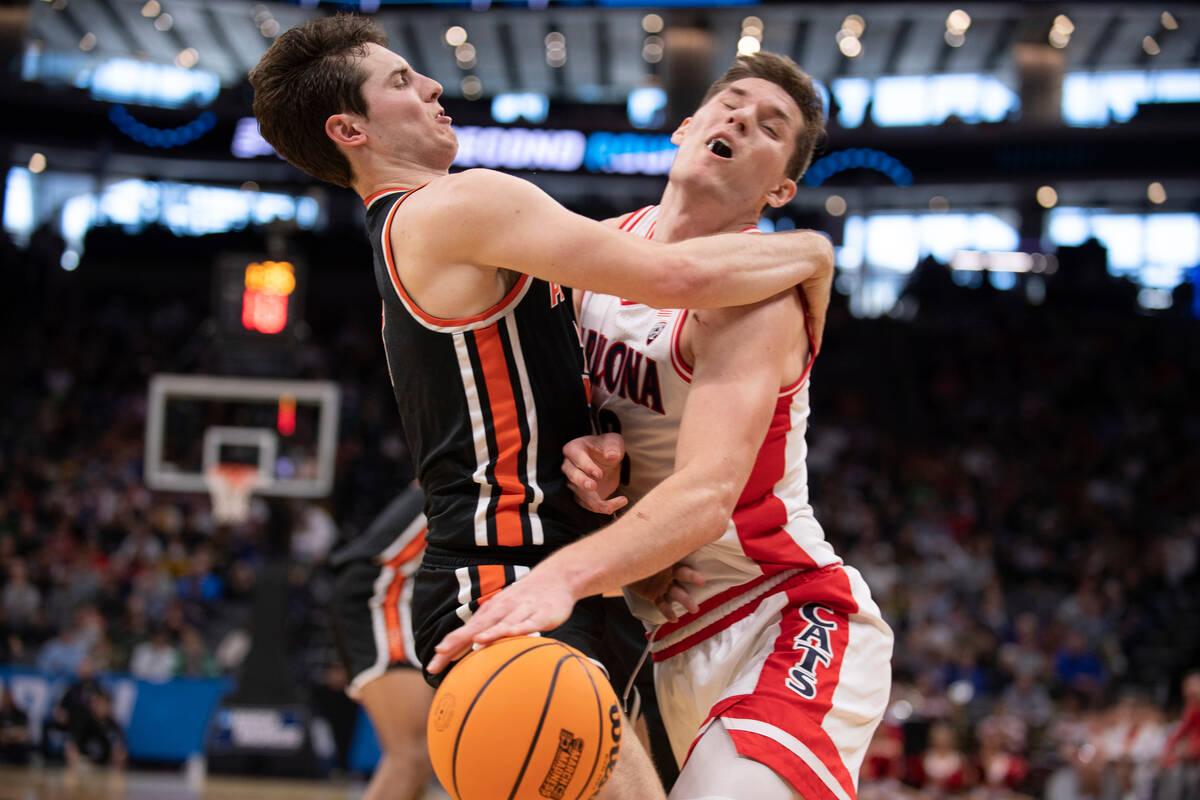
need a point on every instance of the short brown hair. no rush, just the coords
(783, 72)
(307, 75)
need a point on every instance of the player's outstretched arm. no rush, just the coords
(741, 358)
(504, 222)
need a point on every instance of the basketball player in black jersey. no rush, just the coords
(477, 325)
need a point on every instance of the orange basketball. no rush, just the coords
(527, 718)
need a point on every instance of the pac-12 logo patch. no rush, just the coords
(655, 331)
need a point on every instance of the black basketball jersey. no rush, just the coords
(487, 403)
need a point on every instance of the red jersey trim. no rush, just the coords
(634, 218)
(448, 325)
(682, 368)
(367, 201)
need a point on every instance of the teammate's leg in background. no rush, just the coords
(715, 771)
(398, 705)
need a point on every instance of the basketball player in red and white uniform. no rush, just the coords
(773, 687)
(479, 332)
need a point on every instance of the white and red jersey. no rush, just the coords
(640, 383)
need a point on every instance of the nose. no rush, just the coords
(737, 118)
(435, 89)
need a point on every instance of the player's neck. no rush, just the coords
(686, 213)
(378, 178)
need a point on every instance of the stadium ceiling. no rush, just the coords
(605, 45)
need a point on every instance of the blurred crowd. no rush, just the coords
(1016, 482)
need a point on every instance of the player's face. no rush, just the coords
(403, 112)
(742, 137)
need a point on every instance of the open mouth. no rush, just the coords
(719, 146)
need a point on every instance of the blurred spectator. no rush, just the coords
(64, 653)
(1077, 667)
(154, 660)
(20, 599)
(1181, 751)
(193, 657)
(1028, 699)
(96, 737)
(999, 763)
(942, 767)
(15, 741)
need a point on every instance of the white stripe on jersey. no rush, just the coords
(479, 432)
(531, 420)
(798, 747)
(410, 532)
(464, 593)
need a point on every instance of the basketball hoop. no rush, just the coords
(230, 485)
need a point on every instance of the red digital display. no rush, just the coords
(265, 298)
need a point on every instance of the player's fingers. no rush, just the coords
(583, 454)
(678, 594)
(664, 607)
(612, 504)
(685, 574)
(589, 500)
(577, 477)
(611, 446)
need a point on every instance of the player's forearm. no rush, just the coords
(734, 269)
(675, 519)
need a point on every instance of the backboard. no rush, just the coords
(287, 429)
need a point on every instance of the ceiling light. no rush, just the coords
(1047, 197)
(152, 8)
(939, 204)
(165, 21)
(472, 87)
(748, 46)
(835, 205)
(37, 163)
(1168, 21)
(1155, 193)
(652, 23)
(1150, 46)
(958, 21)
(187, 58)
(954, 39)
(855, 24)
(1063, 23)
(1059, 39)
(850, 46)
(456, 35)
(88, 42)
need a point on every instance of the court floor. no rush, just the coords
(56, 783)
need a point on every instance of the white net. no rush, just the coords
(230, 487)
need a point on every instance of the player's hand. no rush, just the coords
(668, 587)
(592, 465)
(540, 601)
(817, 286)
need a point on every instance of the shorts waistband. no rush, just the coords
(673, 638)
(437, 558)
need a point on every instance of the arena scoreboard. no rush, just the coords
(259, 298)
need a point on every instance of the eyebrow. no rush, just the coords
(772, 109)
(401, 71)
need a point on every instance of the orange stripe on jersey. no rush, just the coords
(411, 305)
(502, 406)
(372, 198)
(391, 602)
(491, 580)
(410, 550)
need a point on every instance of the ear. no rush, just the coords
(343, 129)
(781, 194)
(680, 132)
